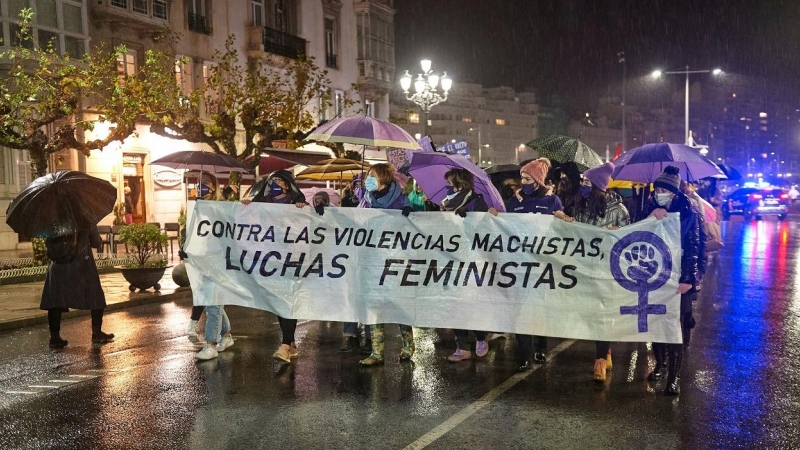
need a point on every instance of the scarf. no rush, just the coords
(461, 199)
(385, 200)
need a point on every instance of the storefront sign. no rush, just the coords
(133, 159)
(167, 178)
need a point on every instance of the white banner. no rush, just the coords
(520, 273)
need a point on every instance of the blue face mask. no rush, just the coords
(371, 183)
(528, 189)
(275, 189)
(585, 191)
(205, 190)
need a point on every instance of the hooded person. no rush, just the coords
(668, 198)
(534, 198)
(281, 188)
(598, 206)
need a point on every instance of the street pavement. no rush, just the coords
(740, 385)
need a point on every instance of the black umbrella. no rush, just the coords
(730, 172)
(56, 204)
(202, 161)
(502, 172)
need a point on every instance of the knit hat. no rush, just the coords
(326, 199)
(537, 169)
(600, 175)
(670, 179)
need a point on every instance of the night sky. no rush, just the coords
(569, 47)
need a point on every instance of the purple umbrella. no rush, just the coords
(428, 169)
(364, 130)
(645, 163)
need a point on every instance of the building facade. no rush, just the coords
(353, 40)
(495, 122)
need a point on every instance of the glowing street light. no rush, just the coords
(426, 90)
(658, 73)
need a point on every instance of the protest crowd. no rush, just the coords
(564, 190)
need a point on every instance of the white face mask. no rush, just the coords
(663, 199)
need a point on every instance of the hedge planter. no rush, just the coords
(143, 278)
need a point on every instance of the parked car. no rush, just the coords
(755, 202)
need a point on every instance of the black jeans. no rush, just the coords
(601, 349)
(527, 345)
(54, 321)
(197, 311)
(288, 327)
(463, 335)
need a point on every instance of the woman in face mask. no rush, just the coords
(669, 199)
(281, 188)
(383, 192)
(568, 183)
(602, 208)
(532, 198)
(461, 198)
(218, 327)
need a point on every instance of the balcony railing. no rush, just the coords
(330, 60)
(199, 24)
(283, 44)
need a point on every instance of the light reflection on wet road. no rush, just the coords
(740, 384)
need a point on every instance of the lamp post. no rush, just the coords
(687, 71)
(517, 149)
(426, 93)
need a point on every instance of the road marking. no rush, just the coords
(454, 420)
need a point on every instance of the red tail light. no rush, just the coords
(784, 196)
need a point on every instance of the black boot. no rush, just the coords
(98, 337)
(660, 371)
(674, 377)
(350, 343)
(57, 342)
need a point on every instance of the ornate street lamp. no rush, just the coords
(426, 90)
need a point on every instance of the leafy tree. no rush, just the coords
(43, 89)
(249, 104)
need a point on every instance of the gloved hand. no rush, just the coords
(407, 210)
(320, 209)
(182, 254)
(461, 212)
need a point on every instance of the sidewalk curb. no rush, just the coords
(139, 300)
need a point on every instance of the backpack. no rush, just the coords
(62, 249)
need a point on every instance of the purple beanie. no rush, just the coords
(600, 176)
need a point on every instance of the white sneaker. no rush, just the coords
(209, 351)
(226, 342)
(191, 330)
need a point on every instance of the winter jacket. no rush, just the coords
(616, 213)
(691, 245)
(546, 204)
(76, 284)
(466, 201)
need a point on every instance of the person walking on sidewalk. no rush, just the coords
(73, 282)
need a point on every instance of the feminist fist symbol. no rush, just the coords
(642, 266)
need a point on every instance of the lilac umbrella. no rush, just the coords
(645, 163)
(364, 130)
(428, 168)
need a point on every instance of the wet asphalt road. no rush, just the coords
(740, 384)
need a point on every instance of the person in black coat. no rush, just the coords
(668, 198)
(280, 187)
(461, 199)
(74, 283)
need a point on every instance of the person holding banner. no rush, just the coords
(602, 208)
(461, 198)
(668, 198)
(383, 192)
(533, 197)
(218, 327)
(282, 188)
